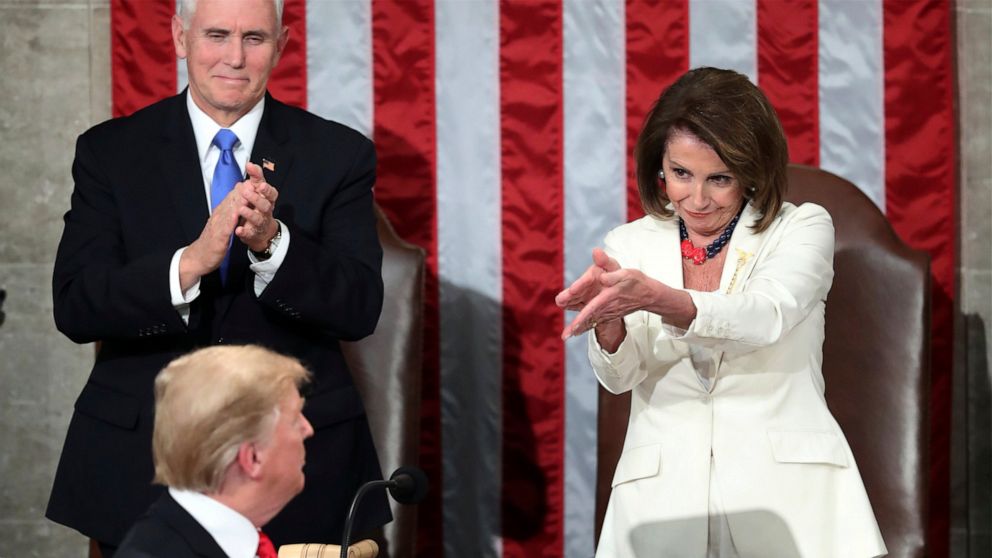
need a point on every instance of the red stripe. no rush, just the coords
(143, 58)
(657, 54)
(404, 132)
(288, 81)
(788, 71)
(531, 128)
(920, 178)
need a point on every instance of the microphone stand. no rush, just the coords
(407, 485)
(346, 537)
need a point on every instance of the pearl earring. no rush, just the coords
(661, 174)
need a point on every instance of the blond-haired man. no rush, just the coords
(228, 442)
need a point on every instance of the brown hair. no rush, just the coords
(209, 402)
(730, 114)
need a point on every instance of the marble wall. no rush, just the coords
(55, 66)
(971, 459)
(55, 63)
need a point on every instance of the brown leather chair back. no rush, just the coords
(386, 367)
(876, 362)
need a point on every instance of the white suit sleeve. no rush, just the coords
(646, 346)
(793, 273)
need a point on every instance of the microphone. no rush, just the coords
(407, 485)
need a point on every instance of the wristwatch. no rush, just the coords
(271, 248)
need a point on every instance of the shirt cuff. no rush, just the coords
(616, 363)
(708, 324)
(675, 332)
(180, 300)
(265, 270)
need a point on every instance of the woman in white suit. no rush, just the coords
(710, 309)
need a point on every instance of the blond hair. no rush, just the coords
(209, 402)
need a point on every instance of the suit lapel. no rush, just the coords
(742, 251)
(180, 170)
(271, 150)
(198, 538)
(664, 260)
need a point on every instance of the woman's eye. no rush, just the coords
(722, 179)
(681, 173)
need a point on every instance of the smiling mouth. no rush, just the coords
(696, 215)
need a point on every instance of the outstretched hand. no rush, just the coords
(621, 292)
(586, 287)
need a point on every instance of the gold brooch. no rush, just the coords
(742, 258)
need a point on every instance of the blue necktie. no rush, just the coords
(226, 175)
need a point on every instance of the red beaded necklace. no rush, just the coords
(700, 255)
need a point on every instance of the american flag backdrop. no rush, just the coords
(504, 132)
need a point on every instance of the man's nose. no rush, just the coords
(234, 55)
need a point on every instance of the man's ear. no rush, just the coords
(281, 43)
(249, 460)
(179, 36)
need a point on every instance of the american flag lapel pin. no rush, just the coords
(268, 165)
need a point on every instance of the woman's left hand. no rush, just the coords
(624, 291)
(585, 288)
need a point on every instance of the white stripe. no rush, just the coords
(852, 110)
(470, 269)
(595, 202)
(339, 61)
(723, 34)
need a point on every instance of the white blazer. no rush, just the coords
(787, 479)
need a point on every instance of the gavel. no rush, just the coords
(361, 549)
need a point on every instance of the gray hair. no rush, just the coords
(186, 8)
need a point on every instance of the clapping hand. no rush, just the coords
(604, 295)
(585, 289)
(255, 201)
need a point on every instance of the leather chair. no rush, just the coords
(386, 367)
(876, 362)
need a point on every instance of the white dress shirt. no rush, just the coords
(235, 535)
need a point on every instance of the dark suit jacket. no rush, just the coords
(139, 196)
(167, 530)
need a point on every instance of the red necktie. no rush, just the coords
(265, 547)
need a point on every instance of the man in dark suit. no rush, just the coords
(228, 442)
(167, 249)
